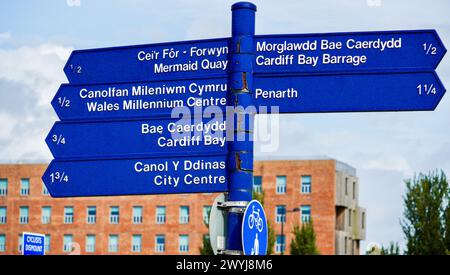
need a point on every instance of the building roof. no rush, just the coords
(340, 166)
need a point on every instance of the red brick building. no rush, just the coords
(324, 190)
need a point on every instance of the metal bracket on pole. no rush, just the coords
(233, 206)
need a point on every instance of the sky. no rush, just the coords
(36, 38)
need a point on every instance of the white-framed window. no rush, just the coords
(280, 244)
(281, 213)
(20, 242)
(3, 215)
(2, 242)
(113, 243)
(91, 214)
(206, 212)
(160, 243)
(90, 243)
(160, 214)
(306, 184)
(183, 243)
(68, 214)
(136, 243)
(305, 213)
(67, 243)
(114, 215)
(257, 184)
(25, 187)
(45, 190)
(281, 184)
(184, 214)
(3, 187)
(46, 214)
(23, 214)
(47, 243)
(137, 214)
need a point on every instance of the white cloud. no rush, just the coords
(29, 78)
(39, 68)
(4, 36)
(7, 123)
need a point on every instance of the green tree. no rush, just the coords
(425, 221)
(206, 248)
(304, 241)
(392, 249)
(447, 225)
(259, 196)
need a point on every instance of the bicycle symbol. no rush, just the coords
(255, 218)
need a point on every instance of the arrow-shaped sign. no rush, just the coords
(139, 99)
(153, 62)
(348, 93)
(136, 176)
(387, 51)
(128, 139)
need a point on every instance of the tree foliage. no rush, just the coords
(206, 248)
(426, 214)
(392, 249)
(304, 241)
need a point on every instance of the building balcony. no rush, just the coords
(90, 248)
(184, 219)
(160, 219)
(113, 248)
(136, 248)
(137, 219)
(91, 219)
(160, 248)
(114, 219)
(46, 219)
(24, 192)
(68, 219)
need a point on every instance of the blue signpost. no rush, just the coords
(33, 244)
(124, 129)
(121, 101)
(254, 230)
(386, 51)
(349, 93)
(158, 138)
(155, 62)
(140, 176)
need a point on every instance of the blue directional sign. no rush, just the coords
(143, 176)
(140, 138)
(348, 93)
(312, 53)
(121, 133)
(254, 230)
(163, 61)
(33, 244)
(385, 51)
(138, 99)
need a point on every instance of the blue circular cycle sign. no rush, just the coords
(254, 230)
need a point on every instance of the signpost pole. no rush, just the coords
(242, 111)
